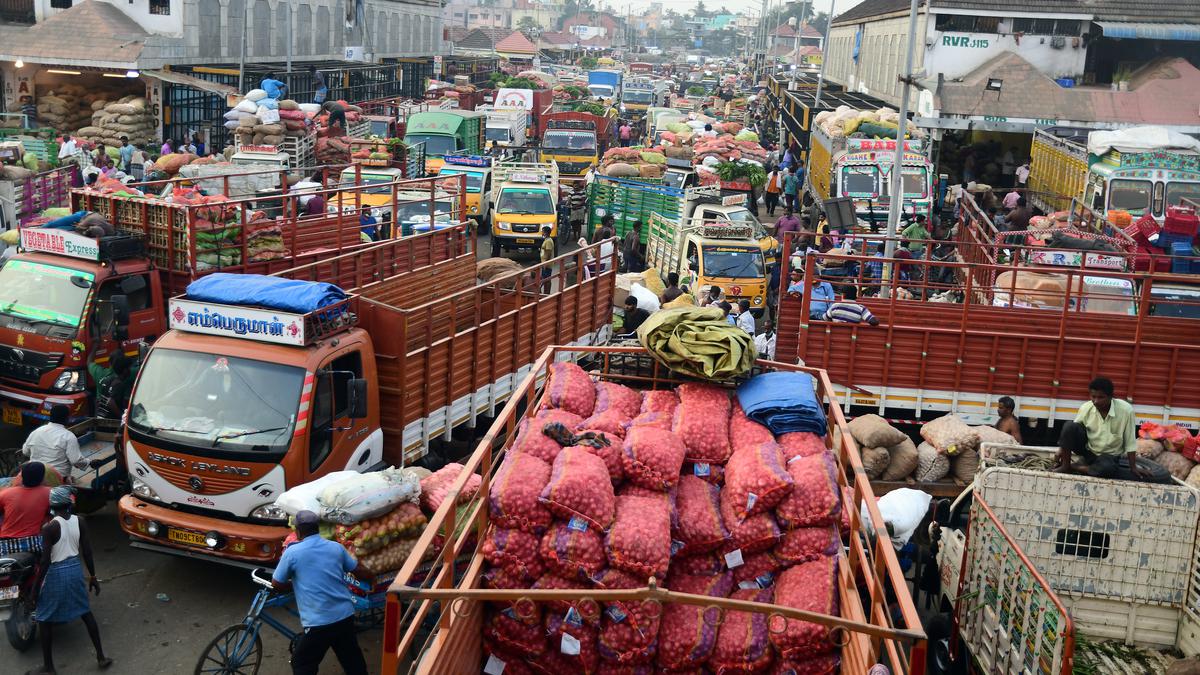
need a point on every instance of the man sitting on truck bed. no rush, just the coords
(1103, 430)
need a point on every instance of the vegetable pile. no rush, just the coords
(707, 503)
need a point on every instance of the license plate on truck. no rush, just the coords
(12, 415)
(185, 537)
(526, 241)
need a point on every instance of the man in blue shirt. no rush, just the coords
(822, 294)
(274, 88)
(314, 569)
(126, 154)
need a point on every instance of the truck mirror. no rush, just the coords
(357, 403)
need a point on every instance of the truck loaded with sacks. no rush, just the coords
(631, 521)
(264, 384)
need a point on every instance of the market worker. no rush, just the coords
(1103, 430)
(822, 294)
(318, 80)
(337, 113)
(672, 290)
(126, 154)
(714, 296)
(67, 148)
(274, 88)
(849, 312)
(25, 506)
(313, 568)
(1008, 422)
(916, 234)
(787, 223)
(54, 445)
(634, 316)
(745, 320)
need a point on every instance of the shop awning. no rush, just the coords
(192, 81)
(1150, 31)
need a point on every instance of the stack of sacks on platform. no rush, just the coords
(606, 486)
(633, 163)
(258, 120)
(128, 116)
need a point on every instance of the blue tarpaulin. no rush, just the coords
(784, 402)
(284, 295)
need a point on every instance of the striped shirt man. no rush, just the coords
(849, 312)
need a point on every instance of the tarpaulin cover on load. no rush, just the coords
(784, 402)
(285, 295)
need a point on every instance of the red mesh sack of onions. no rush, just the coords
(815, 498)
(573, 550)
(698, 526)
(608, 448)
(580, 487)
(640, 538)
(513, 502)
(659, 401)
(759, 532)
(652, 457)
(531, 438)
(587, 608)
(847, 507)
(756, 479)
(571, 645)
(704, 564)
(513, 551)
(745, 432)
(827, 664)
(811, 586)
(611, 421)
(436, 486)
(744, 642)
(709, 473)
(627, 641)
(704, 430)
(660, 420)
(808, 543)
(517, 630)
(758, 570)
(613, 578)
(801, 444)
(610, 395)
(707, 395)
(670, 498)
(571, 389)
(688, 633)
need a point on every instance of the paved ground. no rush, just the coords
(147, 635)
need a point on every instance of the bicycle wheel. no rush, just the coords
(234, 651)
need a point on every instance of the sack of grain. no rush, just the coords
(964, 465)
(288, 104)
(875, 432)
(903, 461)
(256, 95)
(931, 464)
(1149, 448)
(1179, 466)
(121, 109)
(950, 435)
(875, 461)
(989, 434)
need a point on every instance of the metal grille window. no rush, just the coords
(160, 7)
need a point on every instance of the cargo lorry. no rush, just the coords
(639, 94)
(451, 132)
(1043, 572)
(535, 103)
(237, 404)
(861, 169)
(26, 198)
(524, 200)
(1142, 170)
(504, 128)
(477, 172)
(575, 141)
(69, 296)
(605, 85)
(705, 253)
(629, 200)
(437, 616)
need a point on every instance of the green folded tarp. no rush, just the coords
(698, 342)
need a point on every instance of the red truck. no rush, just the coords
(67, 296)
(1037, 326)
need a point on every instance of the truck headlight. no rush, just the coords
(70, 381)
(269, 512)
(758, 299)
(139, 488)
(503, 226)
(474, 208)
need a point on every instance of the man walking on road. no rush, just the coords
(791, 188)
(314, 569)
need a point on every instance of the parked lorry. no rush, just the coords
(705, 253)
(422, 350)
(639, 94)
(524, 200)
(1143, 170)
(438, 606)
(628, 200)
(605, 85)
(504, 128)
(477, 172)
(1039, 572)
(26, 198)
(575, 141)
(390, 153)
(397, 210)
(454, 132)
(535, 103)
(861, 169)
(67, 293)
(389, 116)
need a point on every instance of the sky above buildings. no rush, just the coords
(684, 6)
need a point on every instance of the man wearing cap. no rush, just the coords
(314, 569)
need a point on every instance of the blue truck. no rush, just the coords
(605, 85)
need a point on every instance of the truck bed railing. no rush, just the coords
(1004, 610)
(871, 583)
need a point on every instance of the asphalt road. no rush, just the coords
(145, 634)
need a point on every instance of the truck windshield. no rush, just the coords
(914, 184)
(859, 181)
(601, 90)
(38, 292)
(497, 134)
(1177, 192)
(1129, 195)
(569, 140)
(637, 97)
(418, 212)
(474, 179)
(434, 145)
(1175, 301)
(731, 262)
(214, 401)
(377, 183)
(674, 179)
(525, 201)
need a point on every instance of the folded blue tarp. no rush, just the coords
(285, 295)
(66, 222)
(784, 402)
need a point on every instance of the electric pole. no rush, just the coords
(896, 202)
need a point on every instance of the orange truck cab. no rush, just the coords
(235, 405)
(66, 295)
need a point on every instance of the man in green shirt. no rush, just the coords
(1103, 430)
(916, 234)
(114, 383)
(546, 251)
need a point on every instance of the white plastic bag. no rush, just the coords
(256, 95)
(904, 508)
(367, 495)
(246, 106)
(646, 299)
(304, 497)
(313, 108)
(268, 115)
